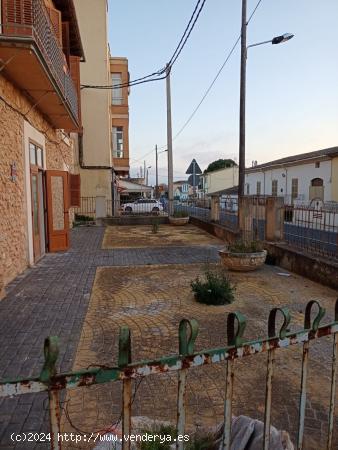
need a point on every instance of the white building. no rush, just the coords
(299, 179)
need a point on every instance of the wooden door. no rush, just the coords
(35, 214)
(57, 210)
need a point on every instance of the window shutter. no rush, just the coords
(75, 190)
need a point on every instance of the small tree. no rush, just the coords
(220, 164)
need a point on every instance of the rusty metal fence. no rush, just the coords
(87, 208)
(313, 229)
(236, 347)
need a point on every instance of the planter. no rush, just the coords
(242, 262)
(178, 221)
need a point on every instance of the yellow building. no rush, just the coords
(94, 144)
(219, 180)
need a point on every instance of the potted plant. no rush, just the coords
(179, 218)
(243, 256)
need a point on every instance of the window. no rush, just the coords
(274, 190)
(317, 165)
(258, 188)
(117, 93)
(294, 188)
(117, 137)
(35, 155)
(317, 182)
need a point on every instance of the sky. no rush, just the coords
(292, 88)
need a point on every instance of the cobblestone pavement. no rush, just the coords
(152, 301)
(167, 235)
(52, 299)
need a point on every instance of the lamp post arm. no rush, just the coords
(259, 43)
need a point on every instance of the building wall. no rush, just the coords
(120, 113)
(220, 179)
(96, 120)
(335, 179)
(284, 175)
(15, 217)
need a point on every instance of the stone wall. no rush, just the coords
(13, 209)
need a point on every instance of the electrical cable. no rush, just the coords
(148, 78)
(217, 75)
(212, 83)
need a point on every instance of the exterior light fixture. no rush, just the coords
(283, 38)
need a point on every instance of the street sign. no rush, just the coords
(193, 168)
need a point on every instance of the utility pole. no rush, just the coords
(156, 188)
(241, 177)
(194, 179)
(170, 146)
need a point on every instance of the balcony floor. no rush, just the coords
(27, 69)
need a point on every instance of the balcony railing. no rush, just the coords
(30, 19)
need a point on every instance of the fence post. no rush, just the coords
(124, 360)
(215, 208)
(235, 338)
(186, 347)
(274, 218)
(245, 217)
(51, 350)
(100, 207)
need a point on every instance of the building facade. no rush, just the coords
(95, 160)
(120, 116)
(39, 107)
(299, 179)
(218, 180)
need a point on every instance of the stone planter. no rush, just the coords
(178, 221)
(242, 262)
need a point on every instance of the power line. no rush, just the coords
(217, 75)
(148, 78)
(173, 59)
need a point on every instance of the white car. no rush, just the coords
(143, 205)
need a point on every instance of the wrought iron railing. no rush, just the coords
(313, 229)
(29, 18)
(53, 382)
(87, 208)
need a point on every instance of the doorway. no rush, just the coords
(38, 200)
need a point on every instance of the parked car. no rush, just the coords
(143, 205)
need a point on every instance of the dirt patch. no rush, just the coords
(167, 235)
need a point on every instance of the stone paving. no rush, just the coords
(52, 299)
(152, 301)
(57, 297)
(167, 235)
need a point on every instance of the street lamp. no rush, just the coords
(276, 40)
(149, 167)
(157, 153)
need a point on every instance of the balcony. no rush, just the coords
(121, 164)
(32, 56)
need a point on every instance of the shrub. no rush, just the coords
(155, 226)
(83, 218)
(180, 213)
(214, 289)
(246, 247)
